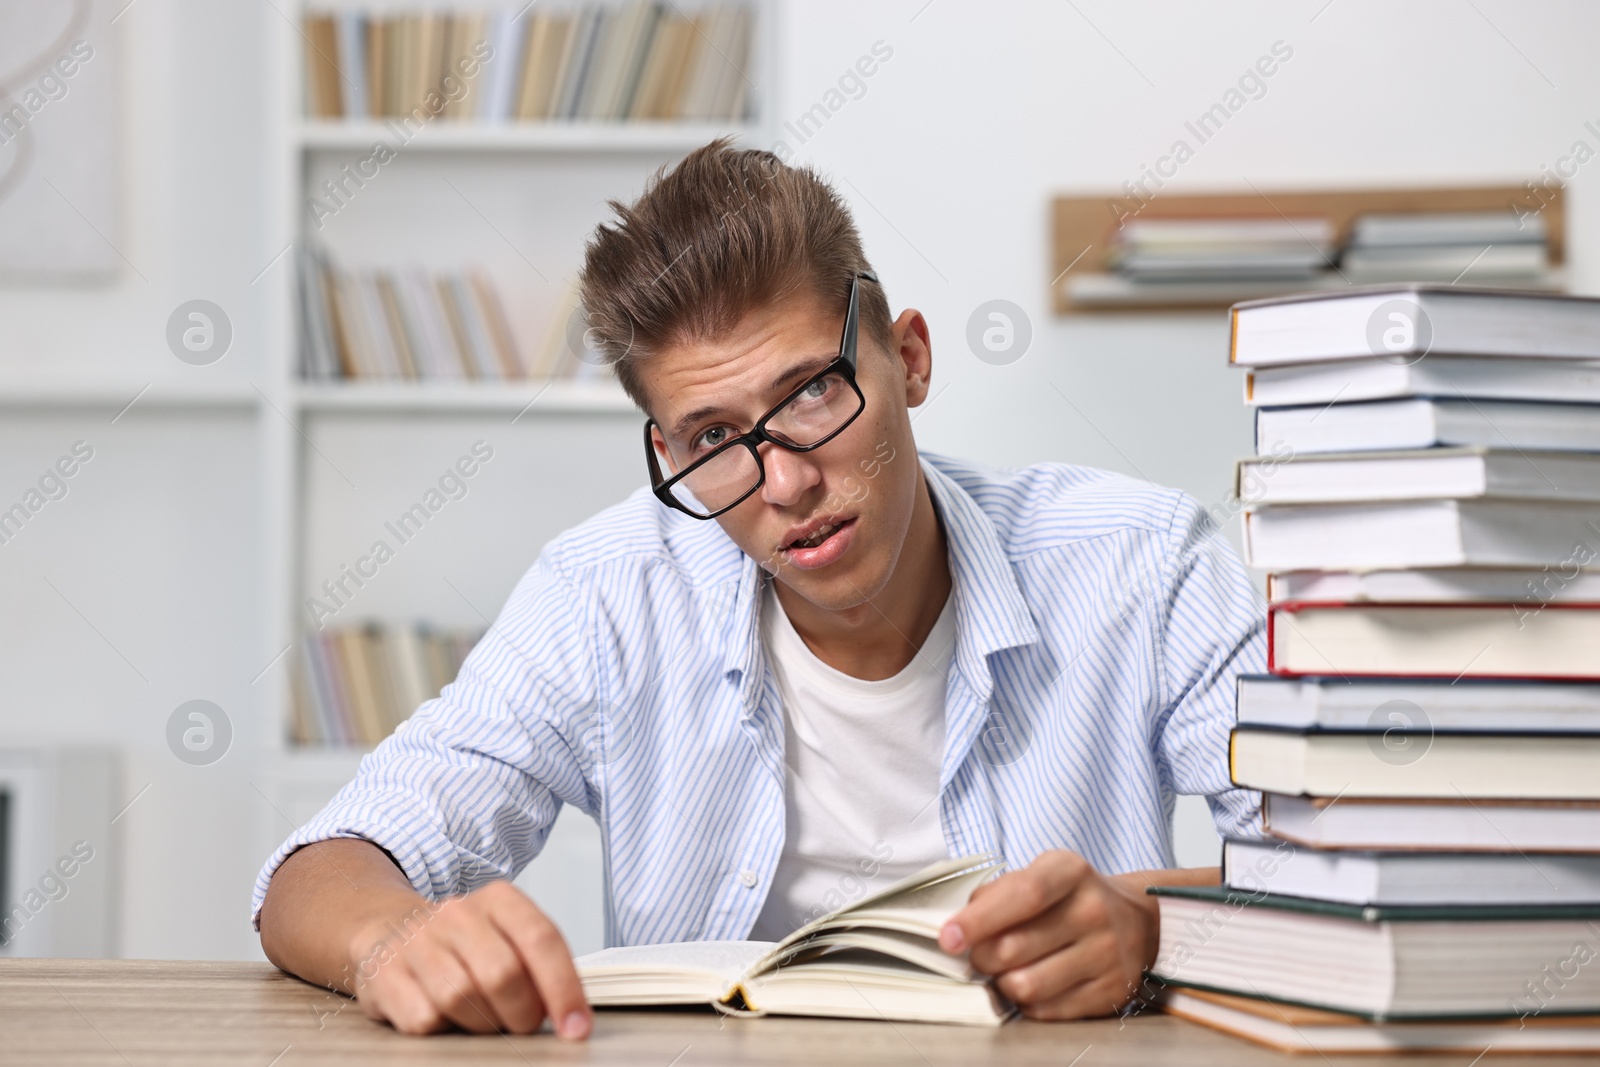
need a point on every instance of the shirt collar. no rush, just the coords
(991, 612)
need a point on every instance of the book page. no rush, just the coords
(724, 960)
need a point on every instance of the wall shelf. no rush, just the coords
(1083, 228)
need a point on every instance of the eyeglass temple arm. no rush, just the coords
(852, 317)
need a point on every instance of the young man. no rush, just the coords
(810, 661)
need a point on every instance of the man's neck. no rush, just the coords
(880, 638)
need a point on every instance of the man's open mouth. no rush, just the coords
(818, 535)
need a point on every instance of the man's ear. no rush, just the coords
(908, 338)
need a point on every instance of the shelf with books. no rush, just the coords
(517, 136)
(354, 685)
(618, 61)
(1209, 250)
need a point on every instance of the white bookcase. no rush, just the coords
(341, 458)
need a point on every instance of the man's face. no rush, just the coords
(863, 483)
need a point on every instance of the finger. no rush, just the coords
(397, 999)
(1105, 995)
(1013, 898)
(1047, 979)
(498, 974)
(545, 954)
(445, 979)
(1083, 911)
(1025, 942)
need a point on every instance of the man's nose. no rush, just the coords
(790, 475)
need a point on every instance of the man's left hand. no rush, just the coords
(1062, 940)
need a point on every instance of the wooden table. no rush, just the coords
(126, 1013)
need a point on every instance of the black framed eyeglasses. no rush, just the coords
(730, 470)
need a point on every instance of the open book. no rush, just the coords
(876, 959)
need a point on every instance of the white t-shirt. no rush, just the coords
(862, 784)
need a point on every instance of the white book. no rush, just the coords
(1565, 583)
(1451, 705)
(351, 27)
(1416, 764)
(876, 959)
(1404, 229)
(1410, 879)
(1441, 376)
(1159, 266)
(1444, 263)
(1420, 474)
(585, 49)
(507, 36)
(1411, 322)
(1428, 422)
(1445, 640)
(1224, 233)
(1455, 823)
(420, 303)
(1417, 533)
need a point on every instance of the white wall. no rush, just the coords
(981, 114)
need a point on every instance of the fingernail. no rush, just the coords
(575, 1025)
(950, 938)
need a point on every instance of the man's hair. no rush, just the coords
(724, 233)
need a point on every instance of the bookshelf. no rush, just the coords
(517, 198)
(1082, 230)
(339, 457)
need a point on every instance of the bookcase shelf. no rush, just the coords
(561, 395)
(98, 392)
(516, 136)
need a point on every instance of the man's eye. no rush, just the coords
(816, 390)
(711, 438)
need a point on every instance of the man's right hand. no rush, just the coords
(487, 962)
(340, 913)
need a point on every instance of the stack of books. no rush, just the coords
(1428, 740)
(1477, 247)
(1222, 249)
(354, 685)
(413, 324)
(1195, 260)
(643, 60)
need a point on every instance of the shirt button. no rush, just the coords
(748, 879)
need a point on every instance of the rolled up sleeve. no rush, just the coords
(466, 790)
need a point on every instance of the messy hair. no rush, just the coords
(724, 233)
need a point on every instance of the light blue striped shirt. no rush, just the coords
(1101, 623)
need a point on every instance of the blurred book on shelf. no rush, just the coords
(1154, 250)
(1480, 247)
(1427, 736)
(354, 685)
(641, 60)
(411, 324)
